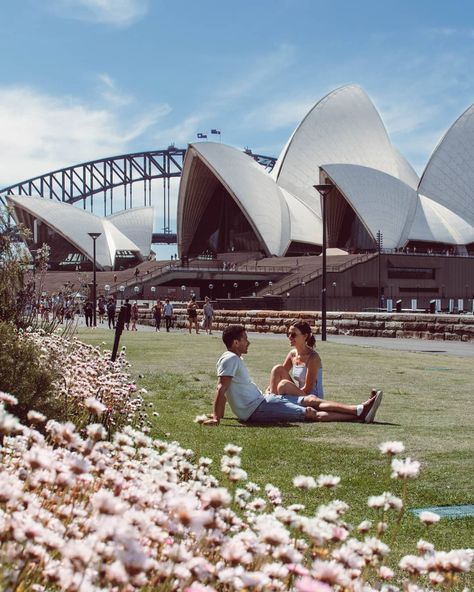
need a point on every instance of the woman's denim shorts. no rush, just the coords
(277, 408)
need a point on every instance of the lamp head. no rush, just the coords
(94, 235)
(324, 189)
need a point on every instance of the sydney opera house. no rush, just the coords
(229, 202)
(124, 238)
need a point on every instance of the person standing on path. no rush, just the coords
(208, 315)
(157, 315)
(88, 310)
(134, 316)
(168, 314)
(192, 315)
(111, 313)
(128, 313)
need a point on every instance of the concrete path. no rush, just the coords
(452, 348)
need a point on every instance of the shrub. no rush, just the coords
(57, 376)
(30, 373)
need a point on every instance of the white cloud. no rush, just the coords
(275, 115)
(183, 132)
(109, 92)
(224, 104)
(459, 32)
(118, 13)
(261, 71)
(41, 132)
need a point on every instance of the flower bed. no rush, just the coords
(78, 512)
(83, 372)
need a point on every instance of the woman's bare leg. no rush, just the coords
(333, 406)
(278, 374)
(313, 415)
(288, 387)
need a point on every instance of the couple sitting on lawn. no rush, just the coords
(287, 399)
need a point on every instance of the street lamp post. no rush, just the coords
(236, 285)
(94, 236)
(153, 290)
(379, 250)
(270, 284)
(303, 284)
(324, 190)
(122, 290)
(183, 290)
(211, 287)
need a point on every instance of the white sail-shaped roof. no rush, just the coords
(137, 225)
(306, 225)
(343, 128)
(433, 222)
(344, 136)
(74, 225)
(382, 202)
(449, 175)
(254, 191)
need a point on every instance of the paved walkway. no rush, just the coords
(462, 349)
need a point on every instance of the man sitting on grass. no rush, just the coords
(250, 405)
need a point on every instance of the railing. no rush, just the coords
(444, 253)
(170, 267)
(292, 283)
(266, 268)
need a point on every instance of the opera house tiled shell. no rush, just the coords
(229, 202)
(125, 238)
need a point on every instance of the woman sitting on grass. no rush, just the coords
(303, 362)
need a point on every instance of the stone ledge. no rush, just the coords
(392, 326)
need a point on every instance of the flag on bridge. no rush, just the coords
(201, 136)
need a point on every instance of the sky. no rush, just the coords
(87, 79)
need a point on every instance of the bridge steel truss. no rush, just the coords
(96, 181)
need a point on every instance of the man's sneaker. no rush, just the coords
(368, 415)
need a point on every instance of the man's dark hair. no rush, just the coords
(232, 332)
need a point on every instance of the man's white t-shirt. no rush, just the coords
(243, 395)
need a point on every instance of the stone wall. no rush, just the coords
(394, 325)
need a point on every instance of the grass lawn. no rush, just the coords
(427, 404)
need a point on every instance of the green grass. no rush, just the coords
(427, 405)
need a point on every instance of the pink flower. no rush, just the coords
(429, 517)
(307, 584)
(8, 399)
(391, 448)
(405, 469)
(385, 573)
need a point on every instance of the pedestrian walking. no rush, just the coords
(168, 314)
(157, 315)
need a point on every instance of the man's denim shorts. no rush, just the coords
(277, 408)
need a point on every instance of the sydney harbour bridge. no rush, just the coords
(107, 185)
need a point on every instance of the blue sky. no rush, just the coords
(84, 79)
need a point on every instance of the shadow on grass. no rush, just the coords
(387, 423)
(236, 423)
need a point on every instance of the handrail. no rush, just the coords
(330, 269)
